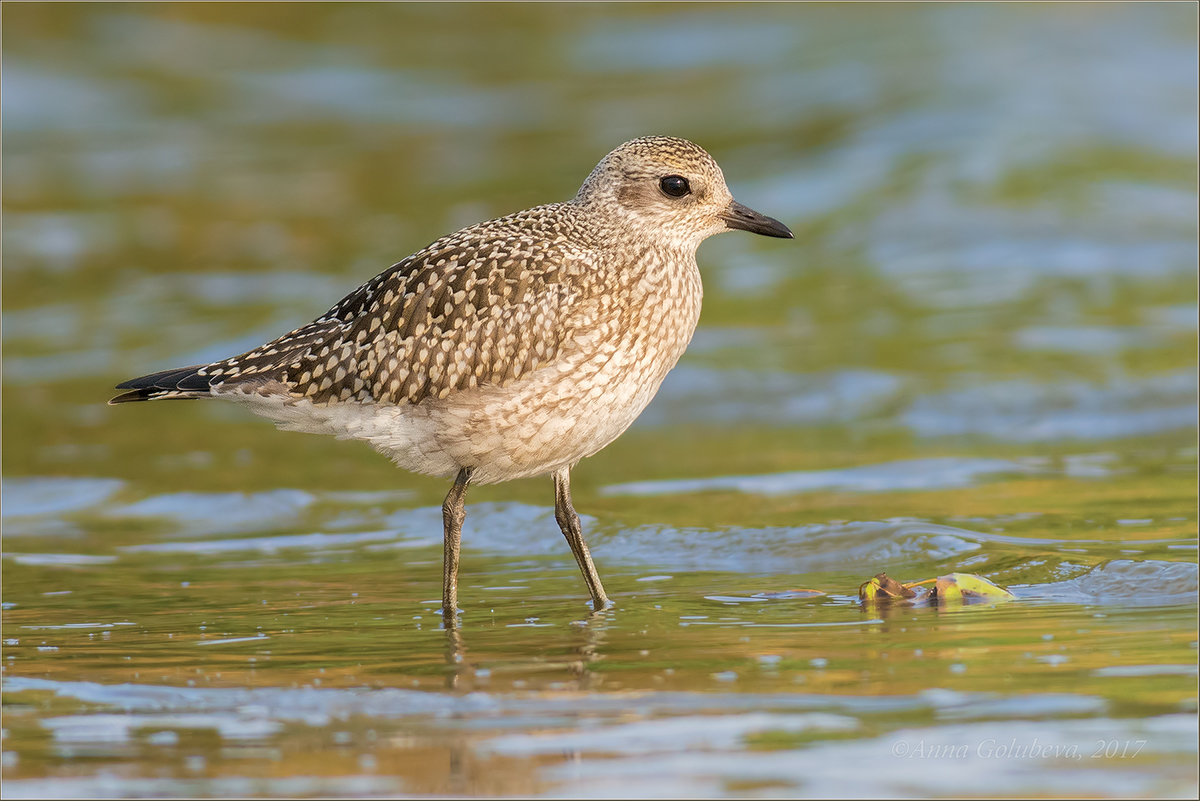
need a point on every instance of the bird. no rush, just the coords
(509, 349)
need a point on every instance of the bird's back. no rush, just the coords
(482, 306)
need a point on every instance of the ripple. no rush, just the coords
(966, 755)
(52, 495)
(39, 101)
(107, 786)
(913, 474)
(197, 513)
(264, 544)
(229, 640)
(70, 626)
(680, 42)
(59, 559)
(1127, 583)
(702, 394)
(320, 704)
(105, 728)
(843, 547)
(1142, 671)
(1094, 339)
(1026, 411)
(670, 735)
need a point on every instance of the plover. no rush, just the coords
(508, 349)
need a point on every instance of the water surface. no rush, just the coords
(978, 356)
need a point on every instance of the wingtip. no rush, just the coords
(126, 397)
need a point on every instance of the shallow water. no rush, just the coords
(978, 356)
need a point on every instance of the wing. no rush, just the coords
(484, 306)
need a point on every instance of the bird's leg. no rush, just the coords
(452, 520)
(568, 521)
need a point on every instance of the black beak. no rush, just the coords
(746, 219)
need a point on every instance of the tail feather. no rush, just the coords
(177, 384)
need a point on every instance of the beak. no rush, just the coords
(746, 219)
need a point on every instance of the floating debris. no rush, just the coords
(954, 588)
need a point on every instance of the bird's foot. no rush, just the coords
(601, 604)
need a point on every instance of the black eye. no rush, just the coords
(675, 185)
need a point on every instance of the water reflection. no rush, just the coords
(982, 359)
(456, 654)
(583, 648)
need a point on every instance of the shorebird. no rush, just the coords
(508, 349)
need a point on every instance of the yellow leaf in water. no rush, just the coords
(952, 589)
(967, 588)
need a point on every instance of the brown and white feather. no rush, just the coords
(516, 346)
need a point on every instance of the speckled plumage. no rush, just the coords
(511, 348)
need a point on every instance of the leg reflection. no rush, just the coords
(584, 647)
(591, 633)
(456, 660)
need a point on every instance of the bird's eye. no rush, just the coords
(674, 185)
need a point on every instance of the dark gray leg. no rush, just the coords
(452, 520)
(568, 521)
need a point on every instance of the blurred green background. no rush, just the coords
(979, 354)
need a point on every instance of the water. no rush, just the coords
(978, 356)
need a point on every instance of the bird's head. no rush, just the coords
(669, 187)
